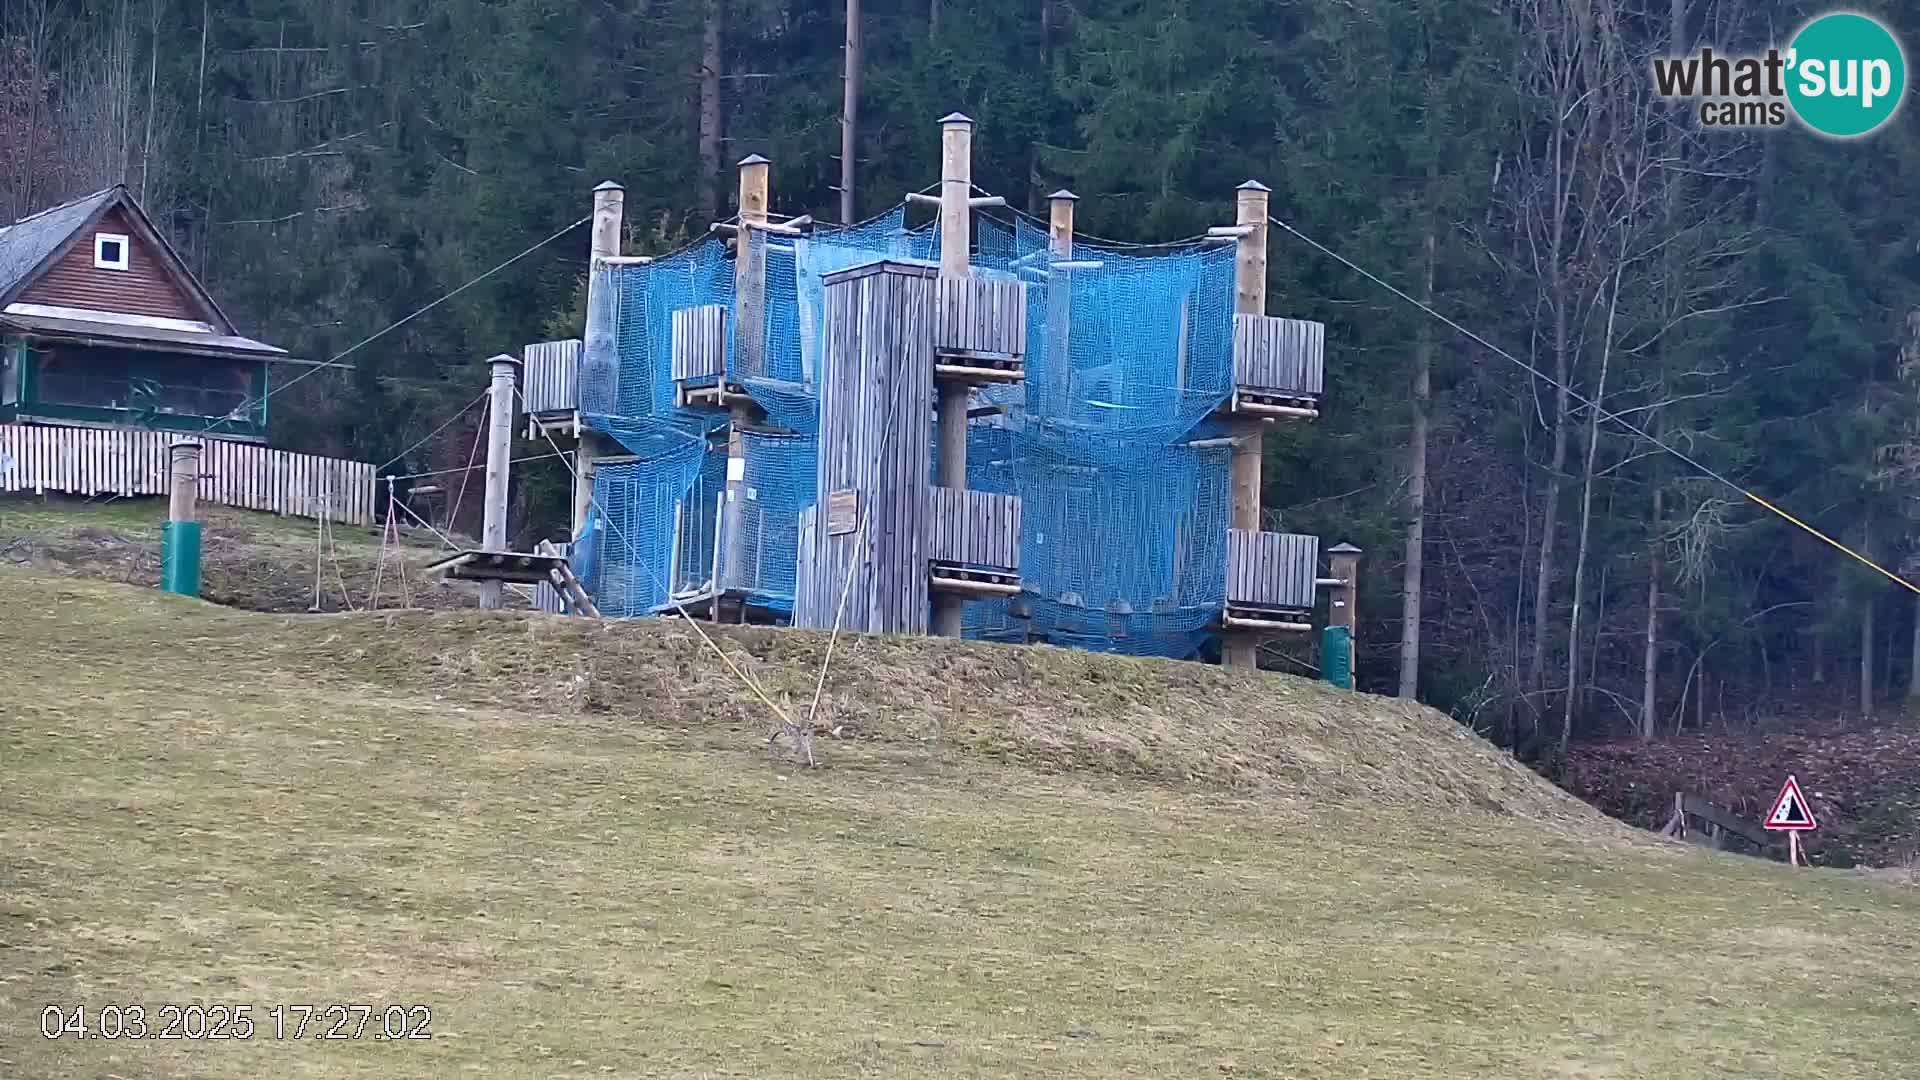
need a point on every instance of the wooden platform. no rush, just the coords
(1271, 571)
(1279, 367)
(973, 528)
(517, 567)
(550, 373)
(971, 580)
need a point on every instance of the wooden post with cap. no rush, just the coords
(609, 202)
(1241, 649)
(956, 243)
(750, 361)
(493, 531)
(1059, 292)
(1343, 607)
(180, 537)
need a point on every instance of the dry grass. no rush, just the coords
(257, 562)
(567, 839)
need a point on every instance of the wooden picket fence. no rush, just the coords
(120, 461)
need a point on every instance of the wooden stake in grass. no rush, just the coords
(800, 734)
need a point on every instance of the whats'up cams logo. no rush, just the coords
(1842, 75)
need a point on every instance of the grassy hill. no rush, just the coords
(568, 839)
(259, 562)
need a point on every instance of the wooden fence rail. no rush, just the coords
(117, 461)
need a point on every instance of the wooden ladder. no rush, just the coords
(569, 586)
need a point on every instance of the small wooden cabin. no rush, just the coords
(103, 325)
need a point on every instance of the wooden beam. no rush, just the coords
(1059, 343)
(500, 413)
(956, 242)
(1249, 297)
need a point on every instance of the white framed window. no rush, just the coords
(110, 251)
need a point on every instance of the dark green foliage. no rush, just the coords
(333, 166)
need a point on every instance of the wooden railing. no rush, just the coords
(700, 342)
(1279, 357)
(550, 377)
(1704, 822)
(1271, 571)
(979, 316)
(124, 461)
(973, 528)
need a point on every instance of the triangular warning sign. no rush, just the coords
(1790, 811)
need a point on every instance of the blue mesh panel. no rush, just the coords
(1123, 540)
(780, 477)
(636, 502)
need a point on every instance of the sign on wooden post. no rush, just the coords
(843, 512)
(1792, 815)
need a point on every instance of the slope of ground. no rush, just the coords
(259, 562)
(567, 840)
(1864, 785)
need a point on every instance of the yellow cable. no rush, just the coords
(1823, 537)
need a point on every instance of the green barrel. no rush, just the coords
(180, 558)
(1336, 656)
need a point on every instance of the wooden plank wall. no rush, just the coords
(1271, 570)
(1286, 356)
(146, 287)
(699, 342)
(805, 585)
(551, 373)
(117, 461)
(974, 528)
(876, 427)
(979, 315)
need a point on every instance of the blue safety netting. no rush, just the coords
(779, 484)
(1124, 523)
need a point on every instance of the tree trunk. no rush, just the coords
(1866, 661)
(711, 58)
(1866, 628)
(1913, 659)
(1410, 594)
(1649, 664)
(1556, 466)
(1586, 516)
(850, 109)
(153, 87)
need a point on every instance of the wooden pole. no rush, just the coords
(183, 491)
(850, 114)
(493, 531)
(180, 537)
(609, 202)
(1344, 610)
(1249, 298)
(750, 267)
(956, 188)
(1059, 297)
(750, 348)
(956, 242)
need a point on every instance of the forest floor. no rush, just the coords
(568, 840)
(1863, 784)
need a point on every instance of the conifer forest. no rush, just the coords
(1750, 297)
